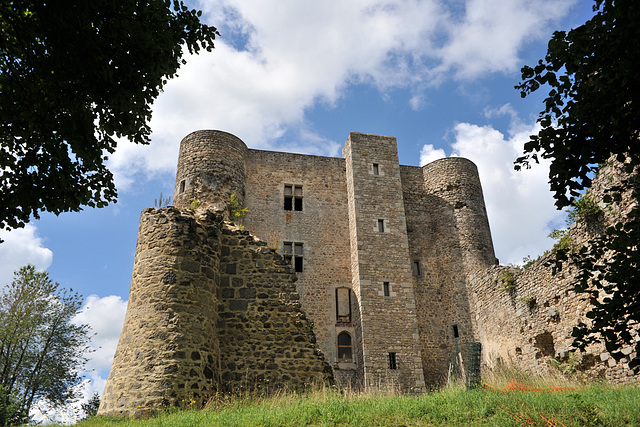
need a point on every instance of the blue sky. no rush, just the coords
(299, 75)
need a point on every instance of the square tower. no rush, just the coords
(381, 266)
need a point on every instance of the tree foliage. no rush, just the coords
(74, 75)
(592, 108)
(90, 408)
(41, 349)
(592, 112)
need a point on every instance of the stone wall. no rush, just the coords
(211, 309)
(211, 167)
(320, 227)
(266, 341)
(525, 317)
(168, 351)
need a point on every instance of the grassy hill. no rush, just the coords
(594, 405)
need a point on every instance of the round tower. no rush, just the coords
(455, 180)
(211, 167)
(168, 353)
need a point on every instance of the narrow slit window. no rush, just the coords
(288, 197)
(182, 185)
(297, 198)
(416, 268)
(385, 288)
(376, 169)
(381, 225)
(345, 354)
(393, 361)
(456, 332)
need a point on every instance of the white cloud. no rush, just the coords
(491, 33)
(519, 204)
(22, 246)
(429, 153)
(105, 316)
(295, 54)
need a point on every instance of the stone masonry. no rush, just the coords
(356, 270)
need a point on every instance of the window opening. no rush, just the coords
(416, 268)
(345, 353)
(385, 288)
(343, 305)
(182, 184)
(376, 169)
(292, 197)
(381, 225)
(393, 362)
(456, 332)
(292, 252)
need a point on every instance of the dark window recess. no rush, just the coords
(385, 288)
(381, 225)
(416, 268)
(456, 332)
(343, 305)
(345, 353)
(181, 189)
(292, 252)
(393, 361)
(376, 169)
(292, 197)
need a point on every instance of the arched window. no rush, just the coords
(344, 347)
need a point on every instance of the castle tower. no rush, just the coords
(211, 167)
(455, 180)
(380, 264)
(168, 353)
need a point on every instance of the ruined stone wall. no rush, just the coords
(379, 254)
(530, 324)
(320, 227)
(211, 309)
(168, 351)
(525, 317)
(266, 341)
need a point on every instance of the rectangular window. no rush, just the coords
(376, 169)
(292, 197)
(416, 268)
(456, 332)
(381, 225)
(292, 252)
(385, 288)
(182, 184)
(393, 362)
(343, 305)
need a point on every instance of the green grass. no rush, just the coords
(594, 405)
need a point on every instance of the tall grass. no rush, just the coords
(594, 405)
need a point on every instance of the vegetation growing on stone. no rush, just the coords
(237, 212)
(506, 280)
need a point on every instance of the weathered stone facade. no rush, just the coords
(211, 309)
(361, 270)
(525, 316)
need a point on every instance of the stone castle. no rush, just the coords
(356, 271)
